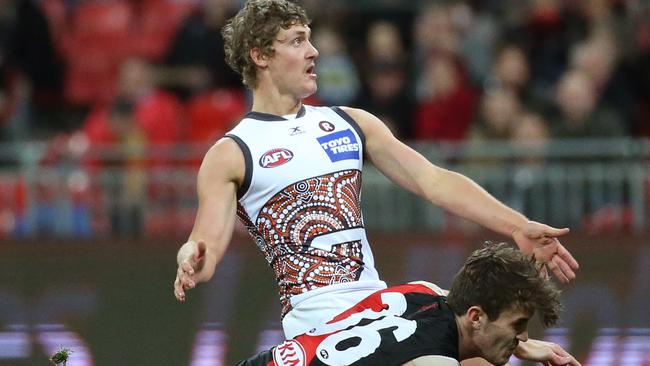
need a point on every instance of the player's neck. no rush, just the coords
(273, 102)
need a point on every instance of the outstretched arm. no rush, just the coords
(460, 195)
(549, 354)
(220, 174)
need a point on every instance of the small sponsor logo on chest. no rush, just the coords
(341, 145)
(275, 157)
(326, 126)
(293, 131)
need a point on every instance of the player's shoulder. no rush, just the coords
(224, 157)
(225, 148)
(431, 286)
(357, 113)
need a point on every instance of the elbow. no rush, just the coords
(438, 184)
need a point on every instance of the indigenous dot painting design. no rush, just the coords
(292, 218)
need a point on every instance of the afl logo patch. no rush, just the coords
(289, 353)
(275, 157)
(326, 126)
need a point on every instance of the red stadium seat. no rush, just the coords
(158, 21)
(102, 18)
(95, 46)
(214, 113)
(91, 75)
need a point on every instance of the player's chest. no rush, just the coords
(305, 144)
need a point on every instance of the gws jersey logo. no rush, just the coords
(340, 145)
(289, 353)
(275, 157)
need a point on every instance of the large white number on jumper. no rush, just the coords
(347, 346)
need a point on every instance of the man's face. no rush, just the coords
(292, 67)
(498, 339)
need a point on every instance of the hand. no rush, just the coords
(549, 354)
(541, 241)
(187, 268)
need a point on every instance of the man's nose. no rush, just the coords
(313, 52)
(523, 336)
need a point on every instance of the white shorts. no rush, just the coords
(321, 305)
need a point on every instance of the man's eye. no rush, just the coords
(297, 41)
(520, 326)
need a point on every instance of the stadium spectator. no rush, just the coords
(529, 136)
(642, 83)
(598, 57)
(10, 81)
(511, 70)
(499, 109)
(30, 74)
(157, 113)
(434, 36)
(386, 79)
(479, 31)
(195, 61)
(339, 81)
(578, 114)
(447, 109)
(128, 188)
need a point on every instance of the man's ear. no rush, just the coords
(476, 316)
(260, 59)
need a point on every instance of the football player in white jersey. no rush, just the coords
(268, 42)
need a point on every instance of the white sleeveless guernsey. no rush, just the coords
(300, 201)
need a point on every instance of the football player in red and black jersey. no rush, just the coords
(485, 314)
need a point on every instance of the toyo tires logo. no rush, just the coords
(289, 353)
(275, 157)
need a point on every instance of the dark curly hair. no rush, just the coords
(255, 26)
(498, 277)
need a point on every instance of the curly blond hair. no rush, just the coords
(256, 26)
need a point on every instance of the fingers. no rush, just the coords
(555, 355)
(567, 257)
(558, 260)
(551, 231)
(184, 280)
(557, 360)
(563, 264)
(179, 294)
(185, 274)
(564, 267)
(562, 357)
(557, 271)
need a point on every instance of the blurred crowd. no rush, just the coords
(153, 70)
(137, 74)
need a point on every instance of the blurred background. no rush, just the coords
(107, 107)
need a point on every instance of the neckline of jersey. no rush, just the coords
(274, 118)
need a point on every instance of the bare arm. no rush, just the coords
(460, 195)
(550, 354)
(220, 174)
(432, 361)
